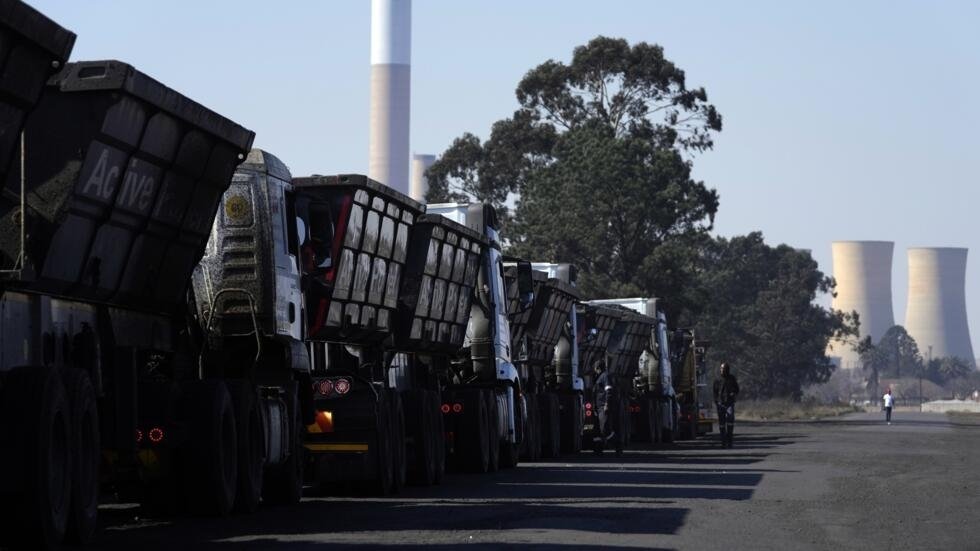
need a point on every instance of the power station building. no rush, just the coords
(863, 271)
(936, 313)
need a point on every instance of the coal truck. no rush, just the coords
(653, 408)
(111, 182)
(545, 350)
(398, 312)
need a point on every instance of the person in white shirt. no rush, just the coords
(889, 402)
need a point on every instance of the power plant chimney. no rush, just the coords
(863, 271)
(420, 184)
(391, 52)
(936, 312)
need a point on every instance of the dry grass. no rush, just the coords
(788, 410)
(964, 417)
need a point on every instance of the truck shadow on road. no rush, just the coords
(590, 500)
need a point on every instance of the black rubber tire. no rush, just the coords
(532, 447)
(420, 427)
(550, 426)
(86, 457)
(571, 423)
(493, 432)
(384, 466)
(398, 455)
(283, 484)
(209, 457)
(251, 445)
(439, 432)
(36, 460)
(510, 453)
(474, 441)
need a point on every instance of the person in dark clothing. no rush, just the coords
(725, 393)
(607, 408)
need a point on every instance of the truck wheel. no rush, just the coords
(474, 440)
(439, 434)
(398, 443)
(420, 428)
(510, 452)
(36, 459)
(283, 484)
(251, 445)
(571, 423)
(209, 465)
(532, 436)
(384, 467)
(493, 432)
(649, 410)
(550, 426)
(86, 450)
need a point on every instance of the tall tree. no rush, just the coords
(902, 357)
(873, 361)
(762, 318)
(596, 160)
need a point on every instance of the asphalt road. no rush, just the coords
(853, 483)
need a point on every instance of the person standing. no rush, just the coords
(725, 394)
(889, 402)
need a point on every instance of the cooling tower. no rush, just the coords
(936, 312)
(391, 44)
(419, 184)
(863, 270)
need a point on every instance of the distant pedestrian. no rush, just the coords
(725, 394)
(888, 401)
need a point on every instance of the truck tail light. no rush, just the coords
(446, 408)
(156, 435)
(457, 408)
(139, 436)
(342, 386)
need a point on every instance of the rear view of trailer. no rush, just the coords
(120, 179)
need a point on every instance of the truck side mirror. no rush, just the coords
(525, 283)
(300, 231)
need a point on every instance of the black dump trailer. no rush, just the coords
(535, 332)
(103, 219)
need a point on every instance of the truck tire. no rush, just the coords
(550, 426)
(384, 466)
(36, 461)
(439, 433)
(209, 457)
(398, 456)
(251, 445)
(510, 452)
(649, 432)
(474, 442)
(493, 432)
(420, 428)
(283, 484)
(532, 436)
(571, 423)
(87, 453)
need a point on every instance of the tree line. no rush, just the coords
(594, 168)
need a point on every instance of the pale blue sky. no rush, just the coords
(843, 120)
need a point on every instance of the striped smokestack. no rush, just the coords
(391, 50)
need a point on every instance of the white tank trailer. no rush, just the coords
(936, 313)
(391, 76)
(863, 271)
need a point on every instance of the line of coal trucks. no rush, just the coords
(186, 324)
